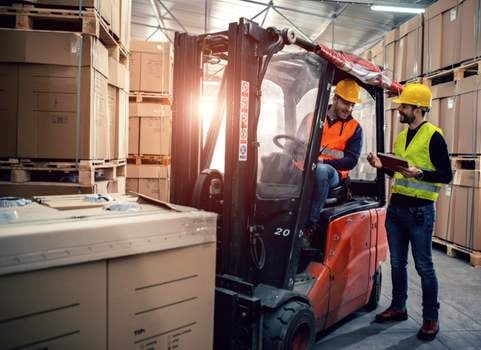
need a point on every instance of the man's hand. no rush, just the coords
(412, 171)
(374, 161)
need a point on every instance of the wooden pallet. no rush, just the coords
(457, 251)
(148, 159)
(85, 173)
(87, 21)
(465, 163)
(162, 98)
(454, 73)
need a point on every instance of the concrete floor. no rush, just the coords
(460, 313)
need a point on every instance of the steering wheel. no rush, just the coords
(293, 146)
(298, 143)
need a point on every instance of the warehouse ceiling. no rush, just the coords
(346, 25)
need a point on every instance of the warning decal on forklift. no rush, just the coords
(243, 121)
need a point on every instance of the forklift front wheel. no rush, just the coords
(291, 326)
(375, 291)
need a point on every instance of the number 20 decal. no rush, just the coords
(282, 232)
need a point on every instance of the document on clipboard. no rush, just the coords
(392, 162)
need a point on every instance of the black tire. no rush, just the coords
(290, 327)
(375, 291)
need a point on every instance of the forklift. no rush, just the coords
(253, 164)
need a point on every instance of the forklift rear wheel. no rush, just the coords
(375, 292)
(290, 327)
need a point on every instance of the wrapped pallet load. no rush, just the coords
(102, 272)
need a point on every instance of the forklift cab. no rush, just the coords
(253, 163)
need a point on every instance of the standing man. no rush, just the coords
(340, 147)
(410, 213)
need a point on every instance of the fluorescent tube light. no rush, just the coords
(397, 9)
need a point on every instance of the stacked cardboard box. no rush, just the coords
(409, 49)
(151, 67)
(464, 228)
(152, 180)
(68, 106)
(451, 33)
(64, 95)
(467, 139)
(150, 128)
(390, 53)
(150, 119)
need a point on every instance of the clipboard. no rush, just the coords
(392, 162)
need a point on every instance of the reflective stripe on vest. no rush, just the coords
(425, 186)
(417, 154)
(333, 153)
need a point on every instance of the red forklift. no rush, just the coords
(253, 163)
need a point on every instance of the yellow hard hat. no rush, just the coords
(348, 90)
(415, 94)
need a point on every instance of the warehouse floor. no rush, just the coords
(460, 321)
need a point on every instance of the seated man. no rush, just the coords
(340, 147)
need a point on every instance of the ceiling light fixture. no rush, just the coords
(397, 9)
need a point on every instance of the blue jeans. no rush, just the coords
(326, 178)
(412, 225)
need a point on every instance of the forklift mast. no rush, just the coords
(245, 46)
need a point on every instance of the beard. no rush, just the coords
(342, 113)
(406, 119)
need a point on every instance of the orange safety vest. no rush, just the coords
(335, 138)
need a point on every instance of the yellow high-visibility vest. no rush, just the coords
(417, 154)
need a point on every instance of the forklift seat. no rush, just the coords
(339, 194)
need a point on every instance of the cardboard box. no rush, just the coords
(155, 188)
(171, 301)
(151, 67)
(466, 214)
(132, 185)
(451, 33)
(409, 49)
(377, 53)
(148, 171)
(117, 123)
(470, 15)
(47, 123)
(59, 277)
(122, 126)
(118, 74)
(115, 17)
(443, 212)
(53, 48)
(134, 130)
(443, 111)
(151, 130)
(390, 54)
(153, 180)
(112, 119)
(125, 17)
(467, 178)
(8, 109)
(155, 135)
(468, 106)
(38, 306)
